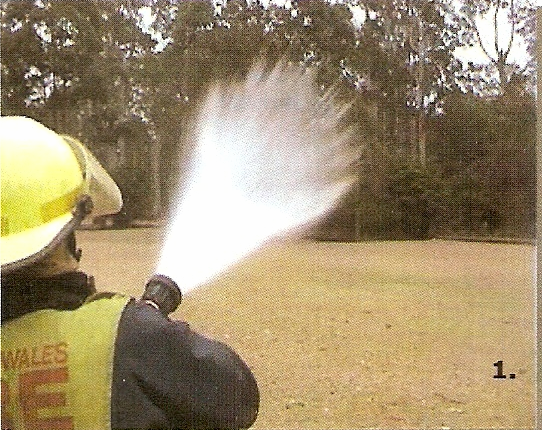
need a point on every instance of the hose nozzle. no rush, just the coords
(164, 292)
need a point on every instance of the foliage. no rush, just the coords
(416, 192)
(486, 151)
(68, 64)
(444, 143)
(513, 18)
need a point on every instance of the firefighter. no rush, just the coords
(76, 359)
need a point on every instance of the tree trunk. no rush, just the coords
(422, 138)
(156, 185)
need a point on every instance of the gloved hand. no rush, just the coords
(163, 293)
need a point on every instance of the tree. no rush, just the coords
(65, 54)
(485, 148)
(70, 65)
(507, 22)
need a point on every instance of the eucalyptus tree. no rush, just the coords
(499, 29)
(416, 38)
(67, 62)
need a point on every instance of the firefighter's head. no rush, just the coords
(49, 183)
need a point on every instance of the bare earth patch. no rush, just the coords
(377, 334)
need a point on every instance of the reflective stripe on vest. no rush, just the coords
(57, 367)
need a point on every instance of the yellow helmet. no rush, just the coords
(49, 183)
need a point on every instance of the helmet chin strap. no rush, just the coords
(82, 209)
(71, 244)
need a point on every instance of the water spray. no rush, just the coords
(270, 159)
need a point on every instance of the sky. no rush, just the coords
(476, 55)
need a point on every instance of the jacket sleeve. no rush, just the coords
(165, 375)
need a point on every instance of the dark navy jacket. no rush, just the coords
(167, 376)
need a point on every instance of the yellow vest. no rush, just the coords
(57, 367)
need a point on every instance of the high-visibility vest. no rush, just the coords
(57, 367)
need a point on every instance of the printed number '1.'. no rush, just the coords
(499, 374)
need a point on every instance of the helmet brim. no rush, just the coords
(19, 249)
(106, 196)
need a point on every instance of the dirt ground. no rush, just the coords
(378, 334)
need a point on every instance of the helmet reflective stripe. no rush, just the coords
(60, 205)
(49, 210)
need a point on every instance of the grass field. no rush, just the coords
(378, 334)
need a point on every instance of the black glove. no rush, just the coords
(163, 293)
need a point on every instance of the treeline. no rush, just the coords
(448, 146)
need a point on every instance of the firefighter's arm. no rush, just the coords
(194, 379)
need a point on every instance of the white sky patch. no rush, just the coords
(147, 17)
(359, 15)
(475, 54)
(281, 3)
(146, 20)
